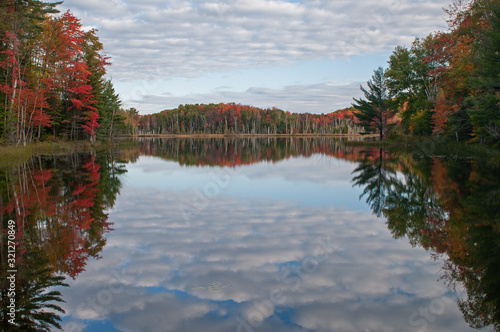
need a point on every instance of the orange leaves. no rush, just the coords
(442, 112)
(453, 54)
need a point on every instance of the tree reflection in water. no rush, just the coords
(59, 207)
(451, 207)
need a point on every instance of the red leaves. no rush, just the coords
(65, 45)
(11, 39)
(67, 212)
(54, 69)
(83, 203)
(239, 119)
(82, 89)
(43, 177)
(77, 103)
(91, 124)
(77, 88)
(42, 119)
(5, 88)
(70, 35)
(79, 190)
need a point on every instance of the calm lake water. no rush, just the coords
(255, 235)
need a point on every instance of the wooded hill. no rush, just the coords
(239, 119)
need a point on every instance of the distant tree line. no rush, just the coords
(445, 84)
(238, 119)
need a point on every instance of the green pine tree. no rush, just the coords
(375, 113)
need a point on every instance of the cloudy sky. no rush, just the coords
(297, 55)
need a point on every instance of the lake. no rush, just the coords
(268, 234)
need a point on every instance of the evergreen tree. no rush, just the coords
(375, 113)
(109, 106)
(484, 105)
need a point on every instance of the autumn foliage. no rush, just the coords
(447, 83)
(51, 75)
(59, 206)
(241, 119)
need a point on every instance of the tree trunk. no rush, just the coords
(111, 125)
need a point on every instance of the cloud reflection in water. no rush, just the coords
(240, 249)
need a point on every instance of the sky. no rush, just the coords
(296, 55)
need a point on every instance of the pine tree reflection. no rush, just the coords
(451, 208)
(376, 173)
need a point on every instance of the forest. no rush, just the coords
(53, 86)
(52, 77)
(445, 84)
(238, 119)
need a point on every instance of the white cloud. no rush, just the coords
(154, 41)
(316, 98)
(185, 38)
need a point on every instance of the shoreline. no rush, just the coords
(13, 154)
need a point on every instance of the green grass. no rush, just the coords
(13, 155)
